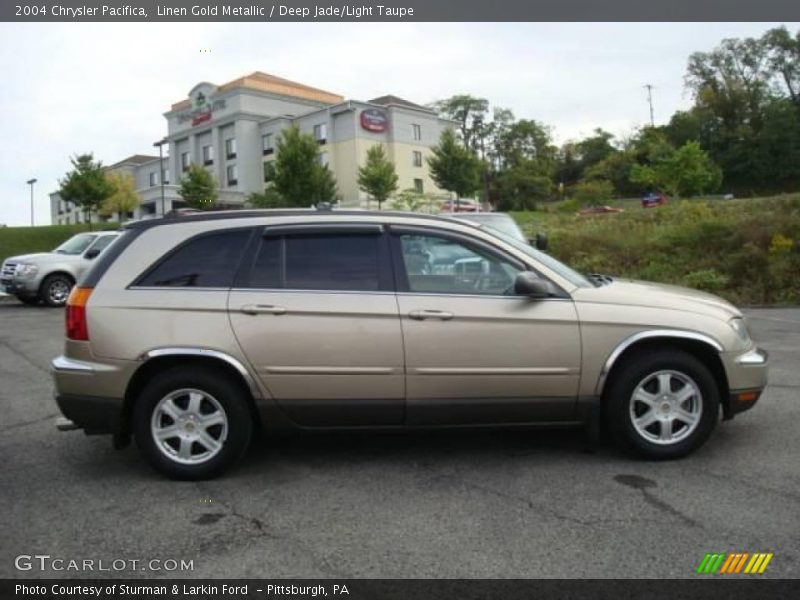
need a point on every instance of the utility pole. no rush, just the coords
(30, 182)
(649, 88)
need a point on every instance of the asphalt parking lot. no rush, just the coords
(451, 505)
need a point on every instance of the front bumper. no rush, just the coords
(18, 287)
(747, 378)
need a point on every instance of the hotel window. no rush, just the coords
(266, 144)
(230, 148)
(321, 133)
(185, 161)
(323, 159)
(418, 186)
(417, 130)
(417, 157)
(153, 178)
(166, 176)
(233, 175)
(208, 155)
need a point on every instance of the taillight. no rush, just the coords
(77, 327)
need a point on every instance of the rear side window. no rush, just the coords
(346, 262)
(206, 261)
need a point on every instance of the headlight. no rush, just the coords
(739, 325)
(26, 270)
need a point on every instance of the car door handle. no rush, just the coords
(262, 309)
(421, 315)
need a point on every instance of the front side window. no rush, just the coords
(102, 243)
(230, 148)
(440, 265)
(207, 261)
(333, 262)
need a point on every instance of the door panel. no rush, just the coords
(328, 357)
(475, 352)
(521, 356)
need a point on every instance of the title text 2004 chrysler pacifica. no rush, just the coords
(189, 333)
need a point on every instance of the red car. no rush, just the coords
(652, 200)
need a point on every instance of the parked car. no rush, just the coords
(460, 206)
(654, 199)
(191, 332)
(49, 276)
(593, 211)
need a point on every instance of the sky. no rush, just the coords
(103, 87)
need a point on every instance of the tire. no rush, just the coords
(29, 300)
(55, 289)
(676, 406)
(175, 404)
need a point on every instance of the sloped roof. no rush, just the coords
(265, 82)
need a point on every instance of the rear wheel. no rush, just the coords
(55, 289)
(662, 404)
(192, 423)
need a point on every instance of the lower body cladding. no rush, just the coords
(91, 396)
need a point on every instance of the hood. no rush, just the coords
(659, 295)
(38, 257)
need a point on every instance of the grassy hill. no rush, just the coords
(747, 251)
(25, 240)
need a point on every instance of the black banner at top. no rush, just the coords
(397, 11)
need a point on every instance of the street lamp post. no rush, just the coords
(30, 182)
(159, 144)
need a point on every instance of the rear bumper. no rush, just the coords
(90, 394)
(93, 414)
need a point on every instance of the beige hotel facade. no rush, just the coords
(233, 129)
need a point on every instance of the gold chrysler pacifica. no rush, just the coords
(191, 333)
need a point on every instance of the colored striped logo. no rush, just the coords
(734, 562)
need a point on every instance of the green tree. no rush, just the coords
(522, 185)
(410, 200)
(468, 111)
(297, 175)
(454, 167)
(269, 198)
(123, 198)
(378, 177)
(198, 188)
(86, 185)
(688, 171)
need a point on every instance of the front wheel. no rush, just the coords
(662, 404)
(55, 289)
(192, 423)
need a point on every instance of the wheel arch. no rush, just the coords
(703, 347)
(159, 359)
(61, 272)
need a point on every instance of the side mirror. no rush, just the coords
(540, 242)
(91, 253)
(530, 284)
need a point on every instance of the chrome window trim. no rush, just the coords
(191, 351)
(647, 334)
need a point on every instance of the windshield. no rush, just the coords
(76, 244)
(548, 261)
(502, 223)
